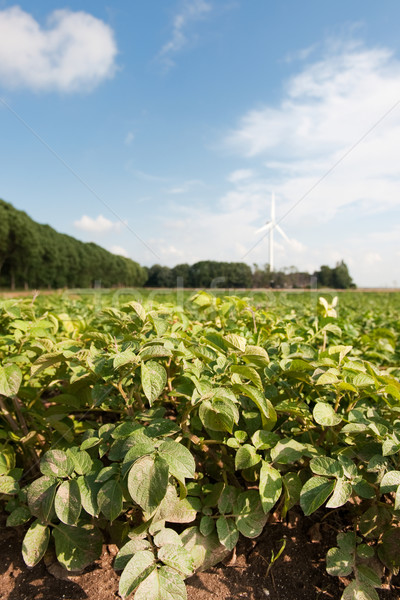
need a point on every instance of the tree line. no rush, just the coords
(214, 274)
(36, 256)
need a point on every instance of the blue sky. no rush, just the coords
(159, 129)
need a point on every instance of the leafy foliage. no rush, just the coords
(178, 429)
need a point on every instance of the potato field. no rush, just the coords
(175, 426)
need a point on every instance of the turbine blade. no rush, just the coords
(265, 227)
(283, 234)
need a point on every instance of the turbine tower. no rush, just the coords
(270, 226)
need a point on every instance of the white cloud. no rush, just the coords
(192, 10)
(240, 175)
(332, 113)
(177, 190)
(143, 175)
(129, 138)
(371, 258)
(98, 225)
(74, 51)
(302, 54)
(120, 251)
(185, 187)
(351, 215)
(350, 212)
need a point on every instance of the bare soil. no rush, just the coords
(298, 574)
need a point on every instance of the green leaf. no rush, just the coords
(10, 380)
(128, 357)
(219, 414)
(213, 493)
(397, 499)
(240, 435)
(236, 341)
(262, 440)
(56, 463)
(288, 451)
(81, 459)
(292, 487)
(135, 452)
(246, 457)
(341, 493)
(107, 473)
(7, 459)
(248, 373)
(41, 494)
(180, 460)
(88, 489)
(8, 485)
(46, 360)
(364, 489)
(314, 493)
(228, 532)
(256, 355)
(77, 547)
(389, 548)
(327, 378)
(227, 499)
(349, 468)
(206, 354)
(270, 487)
(207, 525)
(125, 429)
(19, 516)
(35, 543)
(324, 414)
(109, 499)
(155, 351)
(347, 541)
(90, 443)
(251, 518)
(175, 510)
(138, 568)
(67, 502)
(161, 428)
(324, 465)
(365, 551)
(162, 584)
(363, 380)
(147, 482)
(390, 447)
(167, 536)
(136, 544)
(359, 591)
(176, 557)
(206, 551)
(368, 575)
(154, 379)
(160, 325)
(138, 308)
(390, 481)
(266, 408)
(339, 562)
(373, 522)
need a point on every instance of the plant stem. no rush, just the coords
(12, 423)
(17, 405)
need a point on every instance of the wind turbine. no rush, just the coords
(270, 226)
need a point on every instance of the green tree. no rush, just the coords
(341, 277)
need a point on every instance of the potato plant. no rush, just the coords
(172, 429)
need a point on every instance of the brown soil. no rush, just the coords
(298, 574)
